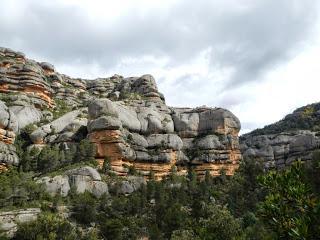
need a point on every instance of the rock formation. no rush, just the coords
(149, 136)
(82, 179)
(8, 128)
(9, 220)
(126, 118)
(297, 136)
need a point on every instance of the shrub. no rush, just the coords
(47, 226)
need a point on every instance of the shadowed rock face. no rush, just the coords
(126, 118)
(279, 144)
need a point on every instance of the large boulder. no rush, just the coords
(82, 179)
(69, 123)
(57, 185)
(26, 115)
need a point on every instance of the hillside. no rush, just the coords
(107, 159)
(294, 137)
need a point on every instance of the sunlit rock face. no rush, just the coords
(126, 118)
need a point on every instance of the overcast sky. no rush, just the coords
(258, 58)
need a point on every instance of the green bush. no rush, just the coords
(290, 209)
(18, 189)
(85, 208)
(47, 226)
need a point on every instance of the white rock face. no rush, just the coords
(68, 123)
(56, 185)
(26, 115)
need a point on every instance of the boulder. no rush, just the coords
(85, 171)
(69, 121)
(26, 115)
(165, 141)
(58, 185)
(82, 179)
(132, 184)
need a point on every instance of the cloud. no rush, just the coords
(248, 36)
(201, 52)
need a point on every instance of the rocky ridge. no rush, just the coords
(126, 118)
(296, 136)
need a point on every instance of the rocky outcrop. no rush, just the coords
(19, 75)
(128, 186)
(9, 220)
(62, 129)
(280, 150)
(8, 129)
(157, 138)
(82, 179)
(295, 137)
(126, 118)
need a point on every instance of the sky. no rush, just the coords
(258, 58)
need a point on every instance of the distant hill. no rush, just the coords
(294, 137)
(303, 118)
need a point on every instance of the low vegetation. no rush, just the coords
(304, 118)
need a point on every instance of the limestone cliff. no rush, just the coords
(126, 118)
(296, 136)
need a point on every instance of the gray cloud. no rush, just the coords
(249, 38)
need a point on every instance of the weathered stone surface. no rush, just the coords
(294, 137)
(70, 122)
(132, 184)
(21, 75)
(8, 154)
(85, 171)
(156, 138)
(8, 129)
(87, 179)
(280, 150)
(191, 122)
(56, 185)
(166, 141)
(126, 118)
(83, 179)
(26, 115)
(10, 219)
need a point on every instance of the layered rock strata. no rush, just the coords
(280, 150)
(126, 118)
(8, 129)
(9, 220)
(157, 138)
(19, 75)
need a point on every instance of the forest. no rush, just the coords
(252, 204)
